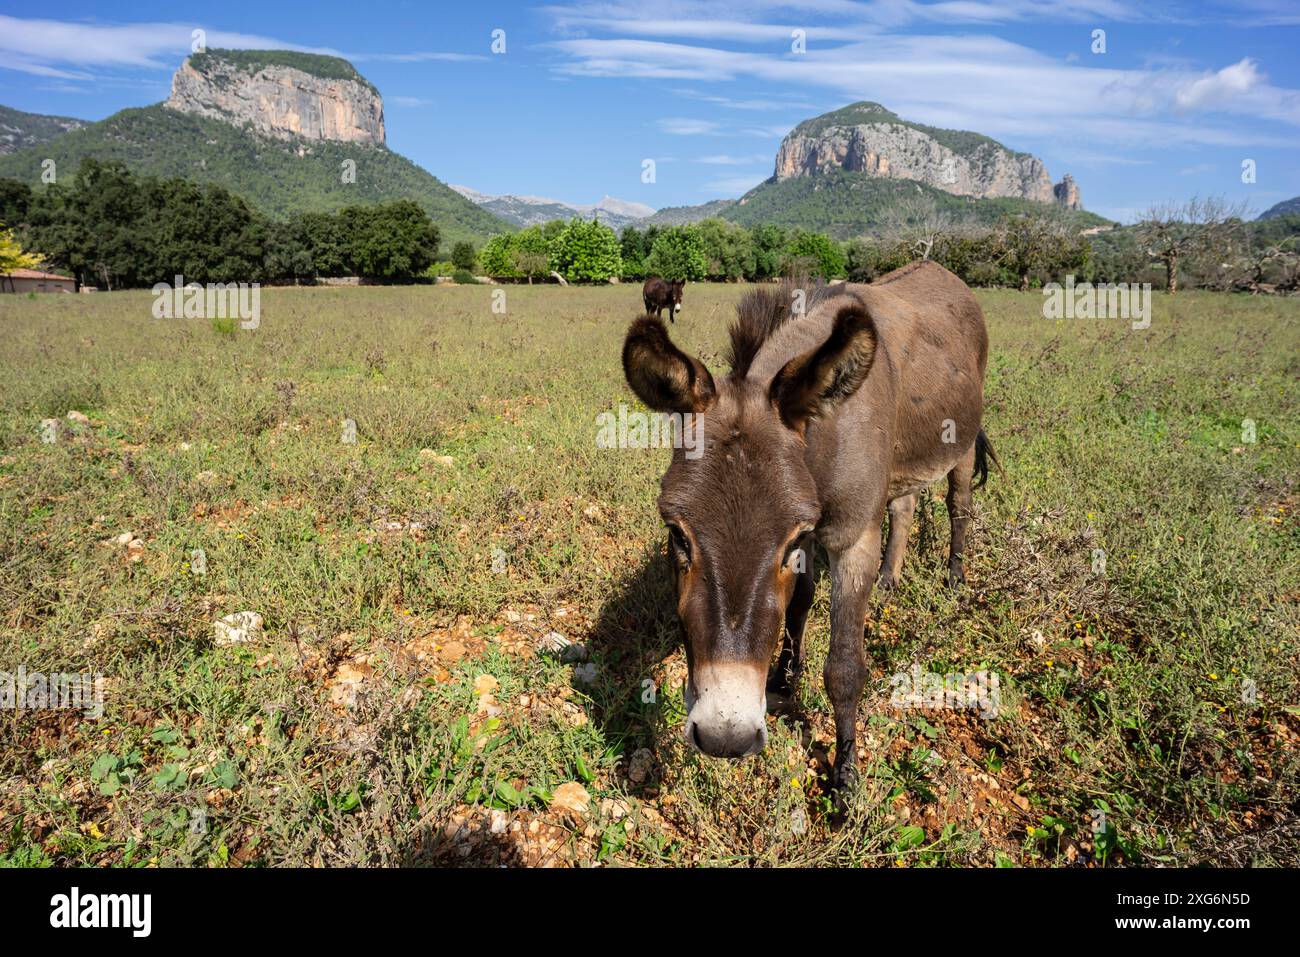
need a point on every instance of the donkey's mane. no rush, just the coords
(764, 310)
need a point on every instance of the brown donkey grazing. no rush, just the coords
(842, 403)
(660, 294)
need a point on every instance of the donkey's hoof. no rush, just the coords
(886, 585)
(845, 775)
(844, 781)
(956, 577)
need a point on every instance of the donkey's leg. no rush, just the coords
(901, 511)
(852, 573)
(789, 664)
(959, 513)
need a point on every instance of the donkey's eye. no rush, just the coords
(794, 554)
(681, 544)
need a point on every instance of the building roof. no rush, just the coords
(35, 274)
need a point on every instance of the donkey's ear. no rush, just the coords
(813, 383)
(663, 377)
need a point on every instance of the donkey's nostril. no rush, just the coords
(695, 736)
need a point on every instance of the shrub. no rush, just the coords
(677, 253)
(815, 254)
(463, 257)
(586, 251)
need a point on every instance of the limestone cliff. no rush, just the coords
(866, 137)
(282, 94)
(1067, 193)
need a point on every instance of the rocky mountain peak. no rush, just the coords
(1066, 193)
(281, 93)
(866, 137)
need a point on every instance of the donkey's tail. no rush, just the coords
(983, 455)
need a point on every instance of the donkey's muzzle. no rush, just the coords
(727, 709)
(726, 740)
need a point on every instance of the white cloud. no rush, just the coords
(775, 131)
(724, 159)
(759, 104)
(731, 186)
(682, 126)
(63, 50)
(421, 56)
(48, 47)
(972, 81)
(752, 21)
(1215, 90)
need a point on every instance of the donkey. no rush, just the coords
(842, 403)
(659, 294)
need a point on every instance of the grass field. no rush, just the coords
(1135, 584)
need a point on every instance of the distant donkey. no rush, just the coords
(659, 294)
(842, 404)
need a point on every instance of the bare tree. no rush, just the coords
(1040, 241)
(1273, 268)
(916, 222)
(1176, 232)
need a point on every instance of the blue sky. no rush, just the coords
(1183, 93)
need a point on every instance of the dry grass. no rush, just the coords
(401, 706)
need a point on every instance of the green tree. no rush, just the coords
(201, 232)
(586, 251)
(530, 253)
(677, 253)
(496, 256)
(814, 254)
(463, 257)
(728, 249)
(15, 200)
(105, 210)
(768, 243)
(323, 235)
(390, 241)
(286, 253)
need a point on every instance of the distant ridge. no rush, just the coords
(1284, 208)
(19, 130)
(534, 210)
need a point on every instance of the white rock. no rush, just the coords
(237, 629)
(498, 821)
(585, 673)
(124, 539)
(553, 642)
(75, 416)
